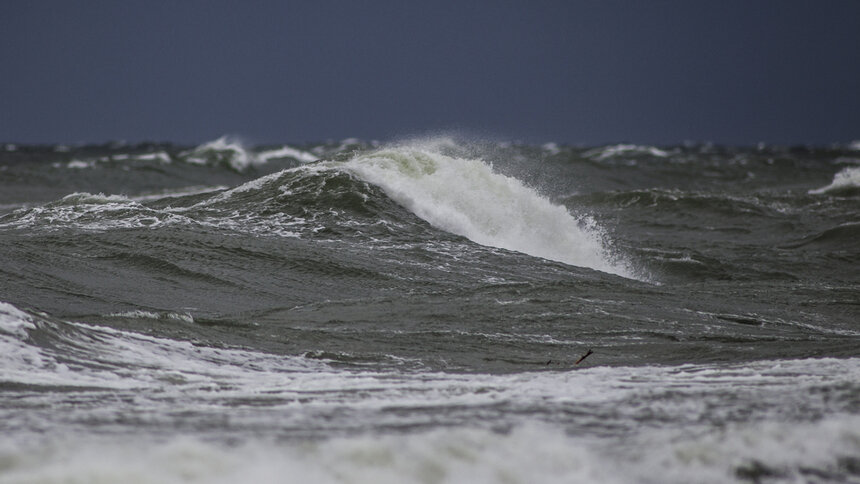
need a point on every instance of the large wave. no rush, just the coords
(441, 182)
(467, 197)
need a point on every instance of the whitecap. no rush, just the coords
(551, 148)
(159, 156)
(467, 197)
(222, 150)
(847, 179)
(604, 153)
(78, 164)
(286, 152)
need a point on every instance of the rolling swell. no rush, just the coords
(313, 201)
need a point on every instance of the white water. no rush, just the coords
(105, 405)
(467, 197)
(527, 454)
(94, 212)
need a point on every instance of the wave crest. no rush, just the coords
(467, 197)
(232, 154)
(845, 182)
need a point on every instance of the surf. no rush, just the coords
(467, 197)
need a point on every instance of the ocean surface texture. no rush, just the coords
(414, 311)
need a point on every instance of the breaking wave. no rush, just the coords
(234, 155)
(845, 182)
(468, 198)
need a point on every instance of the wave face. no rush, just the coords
(414, 312)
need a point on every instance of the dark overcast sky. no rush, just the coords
(585, 72)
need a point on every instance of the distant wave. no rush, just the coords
(222, 152)
(614, 151)
(233, 154)
(845, 182)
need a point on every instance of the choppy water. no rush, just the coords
(413, 312)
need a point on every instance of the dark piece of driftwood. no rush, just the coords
(550, 362)
(583, 357)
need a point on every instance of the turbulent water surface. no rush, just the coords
(414, 312)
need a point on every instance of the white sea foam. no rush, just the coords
(14, 322)
(848, 178)
(129, 360)
(91, 198)
(139, 314)
(766, 451)
(528, 453)
(96, 212)
(466, 197)
(20, 360)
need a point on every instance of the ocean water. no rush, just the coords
(417, 311)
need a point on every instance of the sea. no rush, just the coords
(435, 309)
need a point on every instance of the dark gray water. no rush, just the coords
(414, 312)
